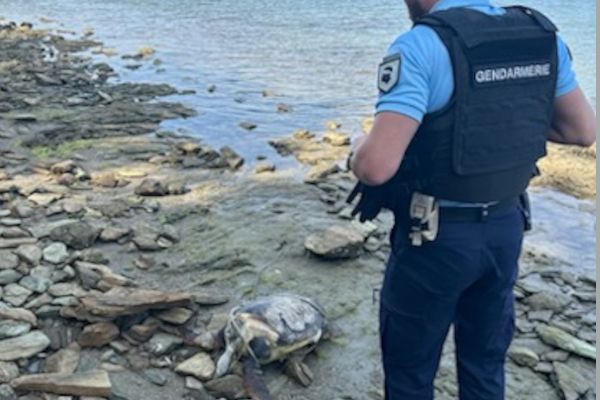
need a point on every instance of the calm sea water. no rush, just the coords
(318, 56)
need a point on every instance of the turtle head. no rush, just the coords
(233, 348)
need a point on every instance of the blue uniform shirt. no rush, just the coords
(426, 78)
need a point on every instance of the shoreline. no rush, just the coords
(122, 207)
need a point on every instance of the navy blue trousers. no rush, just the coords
(466, 278)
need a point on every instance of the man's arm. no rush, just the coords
(574, 120)
(377, 158)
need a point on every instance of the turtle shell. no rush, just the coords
(297, 322)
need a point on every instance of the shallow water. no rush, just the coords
(318, 56)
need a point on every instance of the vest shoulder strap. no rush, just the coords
(518, 23)
(540, 18)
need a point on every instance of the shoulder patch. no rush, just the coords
(389, 73)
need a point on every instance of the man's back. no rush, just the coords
(426, 81)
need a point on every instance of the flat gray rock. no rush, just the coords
(23, 346)
(561, 339)
(55, 253)
(571, 383)
(8, 260)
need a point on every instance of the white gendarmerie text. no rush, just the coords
(512, 73)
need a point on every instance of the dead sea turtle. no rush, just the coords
(281, 327)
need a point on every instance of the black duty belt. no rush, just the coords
(475, 213)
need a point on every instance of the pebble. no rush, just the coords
(8, 260)
(200, 366)
(55, 253)
(523, 356)
(9, 276)
(15, 294)
(36, 283)
(30, 253)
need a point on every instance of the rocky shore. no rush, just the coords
(123, 247)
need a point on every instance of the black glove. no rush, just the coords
(372, 201)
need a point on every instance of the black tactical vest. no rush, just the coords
(483, 146)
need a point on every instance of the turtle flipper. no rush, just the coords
(295, 368)
(254, 381)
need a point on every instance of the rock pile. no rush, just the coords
(62, 303)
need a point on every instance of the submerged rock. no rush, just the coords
(233, 159)
(263, 167)
(249, 126)
(336, 139)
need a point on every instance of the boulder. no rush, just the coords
(337, 242)
(78, 235)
